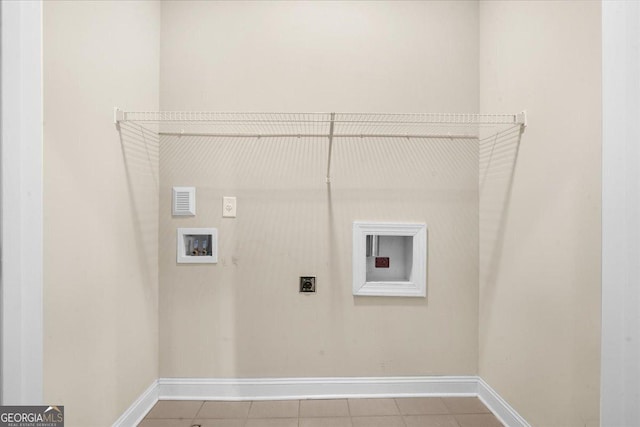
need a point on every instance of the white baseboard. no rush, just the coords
(314, 388)
(500, 408)
(143, 404)
(318, 388)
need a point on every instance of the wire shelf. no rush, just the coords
(324, 125)
(319, 124)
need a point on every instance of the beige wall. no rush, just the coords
(539, 231)
(244, 316)
(319, 56)
(540, 219)
(100, 208)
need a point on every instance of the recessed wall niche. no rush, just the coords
(197, 246)
(389, 259)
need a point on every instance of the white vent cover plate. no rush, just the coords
(184, 201)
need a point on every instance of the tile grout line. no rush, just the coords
(195, 417)
(246, 417)
(444, 403)
(299, 403)
(395, 402)
(246, 421)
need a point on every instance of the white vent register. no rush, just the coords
(184, 201)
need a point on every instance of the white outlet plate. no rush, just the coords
(228, 207)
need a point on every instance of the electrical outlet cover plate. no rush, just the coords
(307, 284)
(228, 207)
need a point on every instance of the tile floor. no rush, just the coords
(404, 412)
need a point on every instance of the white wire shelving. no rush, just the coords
(322, 125)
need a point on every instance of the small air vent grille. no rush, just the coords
(184, 201)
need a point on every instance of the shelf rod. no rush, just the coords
(322, 135)
(333, 116)
(346, 118)
(411, 118)
(246, 135)
(406, 135)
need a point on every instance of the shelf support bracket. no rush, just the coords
(331, 122)
(118, 116)
(521, 118)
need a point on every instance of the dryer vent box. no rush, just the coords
(184, 201)
(389, 259)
